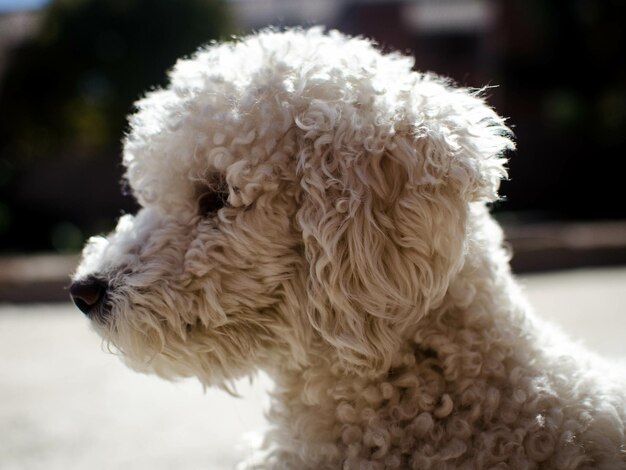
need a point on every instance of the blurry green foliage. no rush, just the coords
(67, 237)
(64, 98)
(69, 88)
(564, 75)
(571, 57)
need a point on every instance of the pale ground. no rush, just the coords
(65, 404)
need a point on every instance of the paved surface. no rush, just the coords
(65, 404)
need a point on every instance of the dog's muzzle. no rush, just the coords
(89, 295)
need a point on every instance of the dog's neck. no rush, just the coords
(321, 410)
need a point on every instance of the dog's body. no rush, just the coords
(314, 208)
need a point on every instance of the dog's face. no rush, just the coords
(304, 197)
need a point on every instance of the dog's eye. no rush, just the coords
(211, 201)
(212, 195)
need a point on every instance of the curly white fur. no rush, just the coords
(355, 261)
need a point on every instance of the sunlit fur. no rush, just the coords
(355, 262)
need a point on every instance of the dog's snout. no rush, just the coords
(88, 294)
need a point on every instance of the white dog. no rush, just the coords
(313, 208)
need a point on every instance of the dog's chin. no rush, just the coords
(137, 352)
(163, 354)
(172, 368)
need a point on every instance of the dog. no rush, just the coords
(314, 208)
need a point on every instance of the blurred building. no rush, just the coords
(257, 14)
(15, 27)
(453, 37)
(551, 67)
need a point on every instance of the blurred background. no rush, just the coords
(70, 71)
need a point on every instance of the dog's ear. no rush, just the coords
(383, 214)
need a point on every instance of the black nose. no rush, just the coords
(88, 294)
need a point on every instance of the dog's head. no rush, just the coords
(304, 197)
